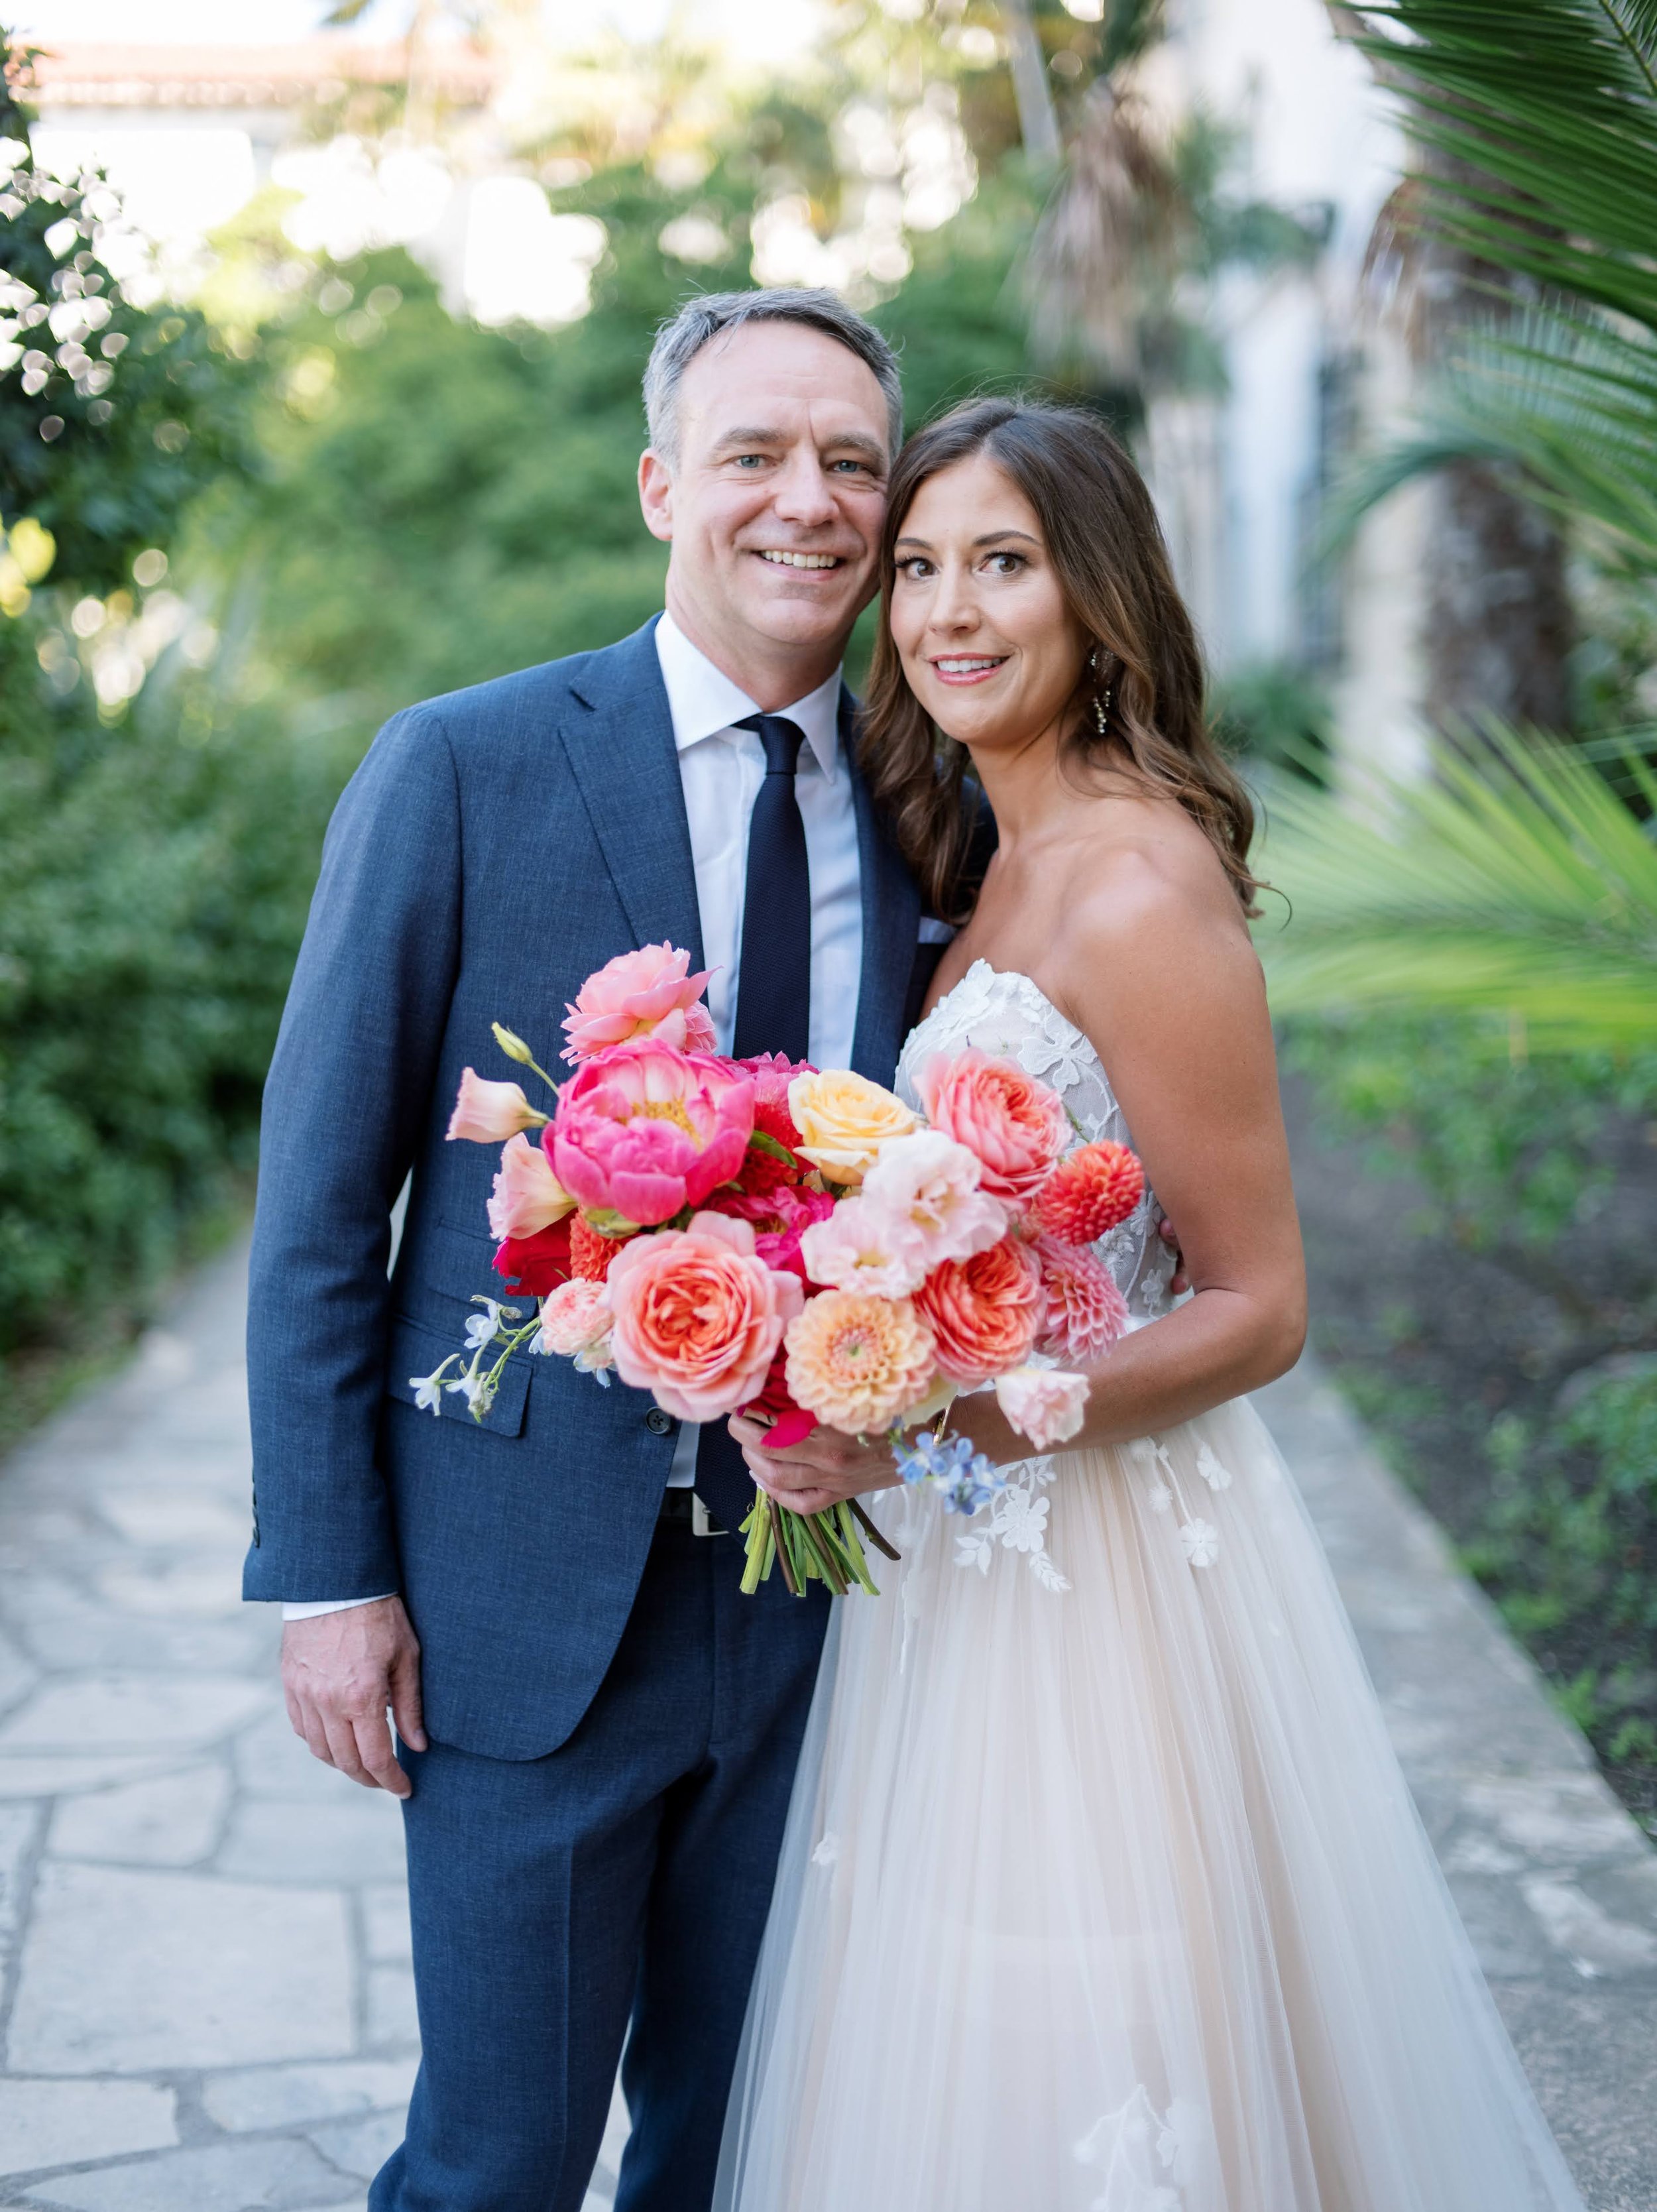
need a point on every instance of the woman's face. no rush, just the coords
(987, 642)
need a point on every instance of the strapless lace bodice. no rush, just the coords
(1003, 1013)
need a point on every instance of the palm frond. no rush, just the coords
(1565, 399)
(1516, 883)
(1550, 124)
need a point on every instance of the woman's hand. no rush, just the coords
(824, 1470)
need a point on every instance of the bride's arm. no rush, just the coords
(1161, 977)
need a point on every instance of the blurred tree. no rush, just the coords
(112, 416)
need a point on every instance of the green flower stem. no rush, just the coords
(872, 1533)
(814, 1538)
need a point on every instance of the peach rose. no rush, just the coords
(488, 1113)
(844, 1119)
(1043, 1403)
(858, 1362)
(1014, 1125)
(698, 1316)
(527, 1195)
(644, 994)
(985, 1311)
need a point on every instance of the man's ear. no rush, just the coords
(656, 495)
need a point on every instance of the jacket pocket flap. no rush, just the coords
(418, 1351)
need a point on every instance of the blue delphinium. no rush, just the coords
(964, 1480)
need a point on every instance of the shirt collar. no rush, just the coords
(703, 701)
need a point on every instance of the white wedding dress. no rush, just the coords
(1102, 1890)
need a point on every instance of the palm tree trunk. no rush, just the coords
(1038, 121)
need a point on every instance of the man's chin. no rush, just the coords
(797, 615)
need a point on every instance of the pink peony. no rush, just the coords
(928, 1184)
(780, 1219)
(985, 1311)
(1085, 1311)
(575, 1318)
(643, 1130)
(489, 1113)
(699, 1316)
(1014, 1126)
(861, 1246)
(645, 993)
(527, 1195)
(1043, 1403)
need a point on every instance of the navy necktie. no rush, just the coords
(773, 1009)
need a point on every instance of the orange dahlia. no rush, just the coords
(590, 1253)
(1087, 1192)
(858, 1362)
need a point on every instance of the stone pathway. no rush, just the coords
(206, 2003)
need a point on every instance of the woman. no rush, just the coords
(1102, 1886)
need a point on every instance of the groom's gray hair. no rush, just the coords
(713, 314)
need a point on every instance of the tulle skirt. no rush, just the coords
(1112, 1897)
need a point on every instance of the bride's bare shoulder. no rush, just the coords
(1148, 870)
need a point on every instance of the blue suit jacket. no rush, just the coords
(494, 848)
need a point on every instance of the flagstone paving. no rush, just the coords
(206, 2002)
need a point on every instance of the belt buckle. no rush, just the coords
(702, 1522)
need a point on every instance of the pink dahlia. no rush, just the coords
(643, 1130)
(1085, 1311)
(1014, 1125)
(649, 993)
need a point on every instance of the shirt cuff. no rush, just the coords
(307, 1611)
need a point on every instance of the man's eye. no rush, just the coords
(749, 460)
(856, 468)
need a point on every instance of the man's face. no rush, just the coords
(774, 505)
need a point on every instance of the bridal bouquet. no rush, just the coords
(761, 1236)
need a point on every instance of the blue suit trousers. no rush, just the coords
(614, 1889)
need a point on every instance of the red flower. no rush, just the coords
(762, 1170)
(537, 1264)
(791, 1423)
(1087, 1192)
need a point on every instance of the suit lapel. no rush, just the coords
(892, 922)
(618, 735)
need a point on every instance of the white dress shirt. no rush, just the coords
(721, 768)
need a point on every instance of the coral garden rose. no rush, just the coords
(1085, 1313)
(844, 1120)
(928, 1185)
(527, 1195)
(986, 1311)
(699, 1316)
(649, 993)
(858, 1362)
(860, 1246)
(535, 1264)
(1043, 1403)
(489, 1113)
(1014, 1125)
(1096, 1187)
(643, 1130)
(575, 1319)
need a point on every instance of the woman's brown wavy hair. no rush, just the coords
(1107, 547)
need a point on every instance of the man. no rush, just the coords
(598, 1731)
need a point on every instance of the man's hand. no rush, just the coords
(339, 1673)
(824, 1469)
(1170, 1236)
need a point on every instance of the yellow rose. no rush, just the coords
(844, 1119)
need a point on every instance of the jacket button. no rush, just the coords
(658, 1422)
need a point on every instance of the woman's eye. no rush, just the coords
(1005, 564)
(914, 567)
